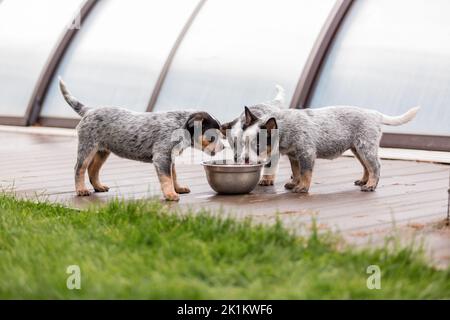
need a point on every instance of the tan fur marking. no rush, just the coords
(304, 183)
(80, 184)
(295, 167)
(167, 188)
(268, 151)
(204, 142)
(177, 187)
(372, 182)
(94, 170)
(267, 180)
(369, 181)
(207, 145)
(365, 176)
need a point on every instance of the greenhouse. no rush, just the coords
(221, 55)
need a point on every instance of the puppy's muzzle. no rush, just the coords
(215, 147)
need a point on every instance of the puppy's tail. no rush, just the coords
(280, 98)
(76, 105)
(399, 120)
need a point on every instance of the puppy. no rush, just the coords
(308, 134)
(140, 136)
(234, 132)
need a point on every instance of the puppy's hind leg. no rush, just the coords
(94, 170)
(365, 176)
(369, 155)
(295, 179)
(306, 168)
(85, 154)
(179, 189)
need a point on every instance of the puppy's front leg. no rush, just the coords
(165, 179)
(270, 170)
(177, 187)
(269, 173)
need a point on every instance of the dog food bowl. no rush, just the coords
(232, 178)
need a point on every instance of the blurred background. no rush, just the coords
(219, 55)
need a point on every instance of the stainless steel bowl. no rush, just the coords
(231, 178)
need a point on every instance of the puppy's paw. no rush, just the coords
(182, 190)
(172, 196)
(360, 182)
(290, 185)
(300, 189)
(267, 181)
(101, 189)
(83, 193)
(367, 188)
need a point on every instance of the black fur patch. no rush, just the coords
(250, 119)
(207, 121)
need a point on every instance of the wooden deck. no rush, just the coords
(411, 195)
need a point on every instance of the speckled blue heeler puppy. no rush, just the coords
(141, 136)
(325, 133)
(234, 133)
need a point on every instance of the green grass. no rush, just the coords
(139, 250)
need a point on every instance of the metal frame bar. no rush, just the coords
(36, 100)
(318, 53)
(416, 141)
(13, 121)
(58, 122)
(171, 56)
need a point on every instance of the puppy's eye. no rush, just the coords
(212, 139)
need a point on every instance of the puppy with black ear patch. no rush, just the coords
(141, 136)
(323, 133)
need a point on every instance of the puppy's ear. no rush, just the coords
(206, 120)
(227, 126)
(271, 124)
(224, 127)
(190, 123)
(250, 118)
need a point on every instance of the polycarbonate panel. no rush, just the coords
(117, 56)
(29, 30)
(237, 51)
(391, 56)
